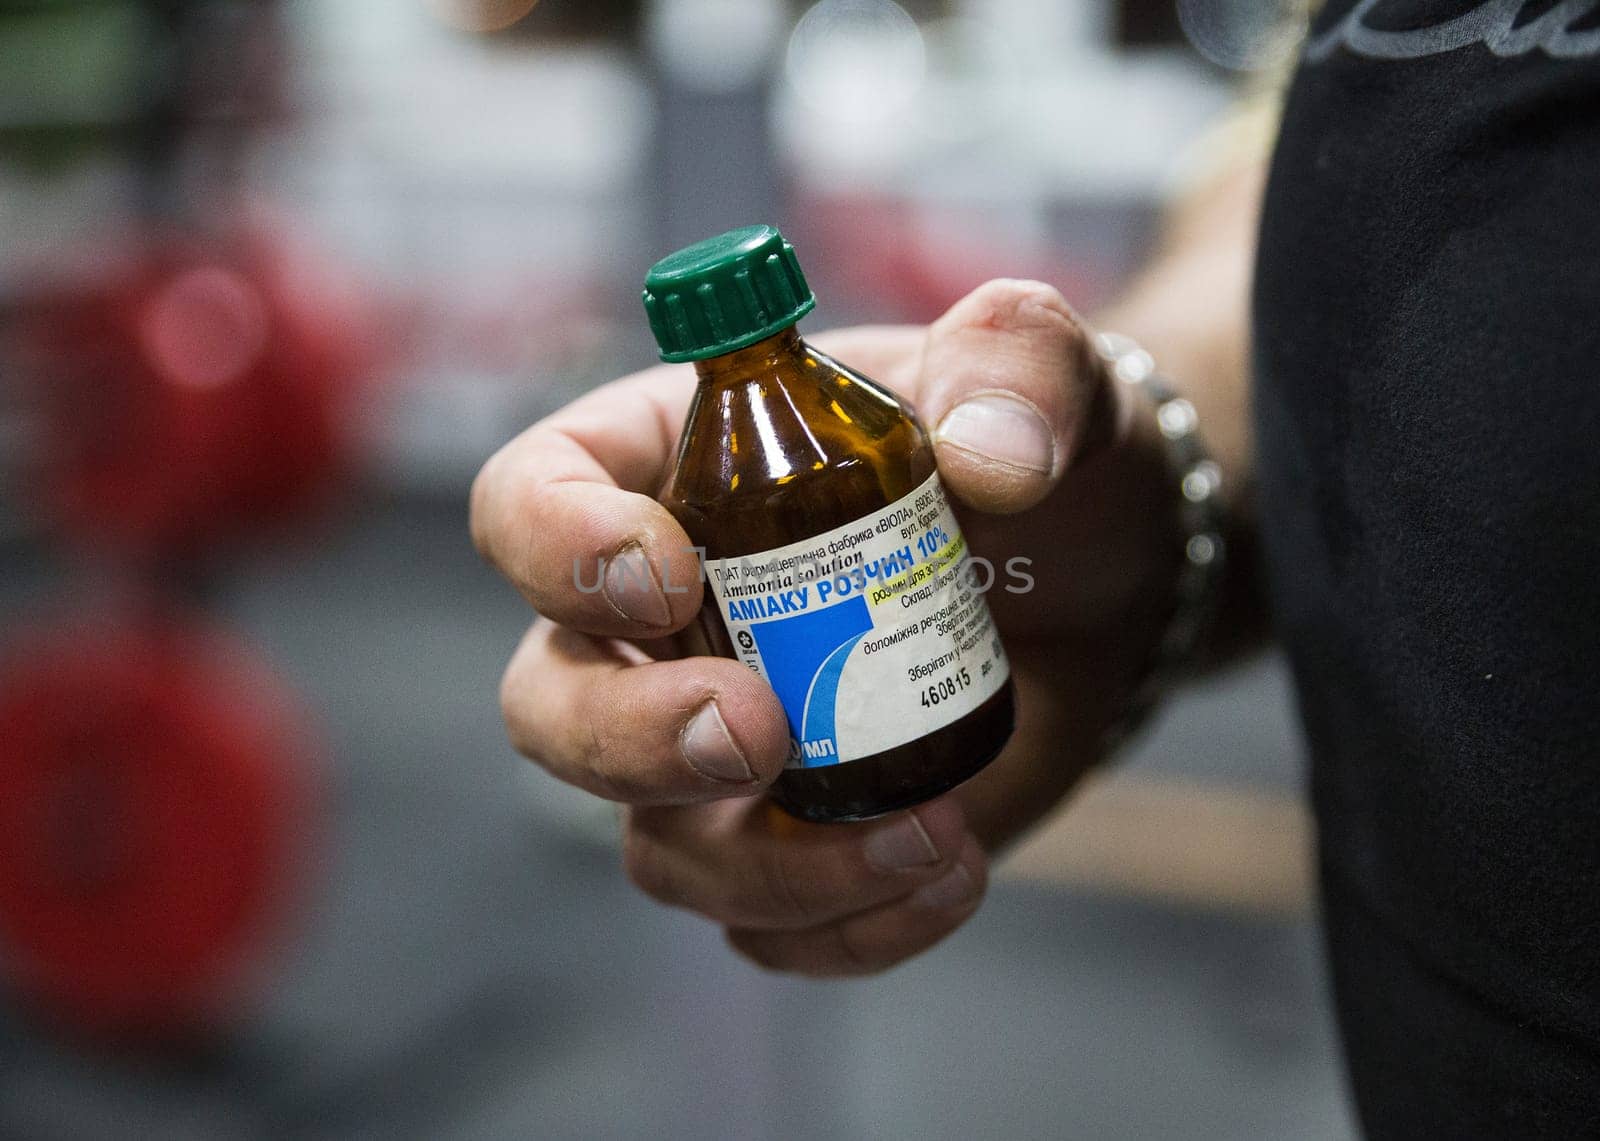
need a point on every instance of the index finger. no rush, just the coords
(566, 511)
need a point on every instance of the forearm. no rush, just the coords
(1190, 310)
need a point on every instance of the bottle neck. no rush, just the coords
(753, 359)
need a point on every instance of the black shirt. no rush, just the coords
(1428, 413)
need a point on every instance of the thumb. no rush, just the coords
(1015, 394)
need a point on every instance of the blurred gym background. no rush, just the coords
(275, 278)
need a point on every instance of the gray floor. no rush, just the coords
(470, 963)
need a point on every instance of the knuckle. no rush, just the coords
(594, 754)
(1045, 309)
(643, 864)
(505, 505)
(976, 863)
(1037, 297)
(482, 514)
(979, 870)
(477, 507)
(762, 952)
(590, 751)
(564, 735)
(783, 895)
(859, 959)
(514, 712)
(1041, 308)
(1024, 303)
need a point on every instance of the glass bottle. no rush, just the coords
(834, 565)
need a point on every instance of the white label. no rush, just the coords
(872, 634)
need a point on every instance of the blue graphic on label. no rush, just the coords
(871, 635)
(804, 656)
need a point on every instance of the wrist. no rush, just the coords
(1198, 543)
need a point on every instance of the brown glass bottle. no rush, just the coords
(782, 444)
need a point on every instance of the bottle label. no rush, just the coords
(873, 634)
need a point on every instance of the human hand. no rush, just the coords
(1050, 462)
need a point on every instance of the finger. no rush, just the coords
(752, 866)
(1014, 393)
(889, 354)
(669, 732)
(878, 939)
(566, 511)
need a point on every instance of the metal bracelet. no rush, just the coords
(1204, 551)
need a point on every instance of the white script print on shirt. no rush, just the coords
(1492, 24)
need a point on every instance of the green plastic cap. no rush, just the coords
(725, 293)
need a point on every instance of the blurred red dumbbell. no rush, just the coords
(156, 811)
(194, 393)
